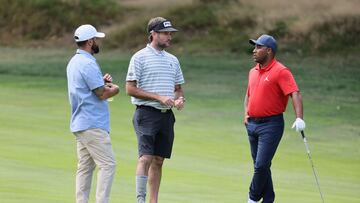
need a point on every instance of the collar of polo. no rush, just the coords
(266, 68)
(157, 52)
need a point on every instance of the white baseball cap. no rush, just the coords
(85, 32)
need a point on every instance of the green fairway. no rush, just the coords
(211, 160)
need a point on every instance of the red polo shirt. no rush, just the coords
(269, 88)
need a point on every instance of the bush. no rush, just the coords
(132, 36)
(193, 18)
(42, 19)
(216, 1)
(336, 33)
(279, 30)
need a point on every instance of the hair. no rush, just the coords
(152, 22)
(273, 53)
(81, 44)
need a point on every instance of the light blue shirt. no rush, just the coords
(154, 71)
(87, 110)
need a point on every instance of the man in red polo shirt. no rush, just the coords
(270, 85)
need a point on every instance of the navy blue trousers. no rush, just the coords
(264, 137)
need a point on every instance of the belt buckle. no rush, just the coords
(258, 119)
(163, 110)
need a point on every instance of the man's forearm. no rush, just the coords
(140, 94)
(297, 103)
(110, 90)
(246, 100)
(179, 93)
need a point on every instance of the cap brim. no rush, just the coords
(254, 42)
(100, 35)
(169, 29)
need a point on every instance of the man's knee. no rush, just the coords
(157, 161)
(145, 160)
(261, 168)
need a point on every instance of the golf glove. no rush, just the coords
(299, 125)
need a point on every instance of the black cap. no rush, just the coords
(164, 26)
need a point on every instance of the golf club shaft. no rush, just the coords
(312, 164)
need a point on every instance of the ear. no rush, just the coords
(90, 42)
(269, 51)
(153, 34)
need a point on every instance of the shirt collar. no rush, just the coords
(86, 54)
(155, 51)
(266, 68)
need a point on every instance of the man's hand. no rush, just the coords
(179, 103)
(246, 119)
(107, 78)
(167, 101)
(299, 125)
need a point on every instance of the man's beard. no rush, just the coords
(162, 45)
(95, 48)
(262, 59)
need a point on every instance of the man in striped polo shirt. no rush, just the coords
(154, 81)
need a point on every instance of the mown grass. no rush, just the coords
(211, 160)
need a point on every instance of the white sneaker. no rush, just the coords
(140, 200)
(251, 201)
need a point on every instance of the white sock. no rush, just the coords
(251, 201)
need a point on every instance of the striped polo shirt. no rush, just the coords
(154, 71)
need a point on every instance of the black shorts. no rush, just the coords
(154, 130)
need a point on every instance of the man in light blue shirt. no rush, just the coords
(88, 93)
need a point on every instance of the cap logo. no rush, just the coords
(167, 24)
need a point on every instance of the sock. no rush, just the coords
(251, 201)
(141, 182)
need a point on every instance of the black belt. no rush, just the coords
(264, 119)
(153, 108)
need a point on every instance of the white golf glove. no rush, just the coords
(299, 125)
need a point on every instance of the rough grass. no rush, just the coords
(23, 20)
(225, 26)
(206, 25)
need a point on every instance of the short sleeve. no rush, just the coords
(92, 76)
(179, 78)
(248, 85)
(134, 68)
(287, 82)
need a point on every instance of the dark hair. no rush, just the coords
(82, 43)
(153, 22)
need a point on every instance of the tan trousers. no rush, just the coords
(94, 149)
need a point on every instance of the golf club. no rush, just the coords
(312, 164)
